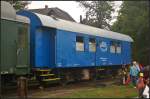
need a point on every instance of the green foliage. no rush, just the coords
(133, 20)
(18, 4)
(98, 13)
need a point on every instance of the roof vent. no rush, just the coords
(54, 17)
(46, 6)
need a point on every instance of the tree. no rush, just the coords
(98, 13)
(19, 4)
(133, 20)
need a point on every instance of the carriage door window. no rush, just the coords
(112, 47)
(92, 45)
(118, 48)
(22, 36)
(79, 43)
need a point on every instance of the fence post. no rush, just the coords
(22, 87)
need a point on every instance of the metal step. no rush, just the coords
(43, 70)
(47, 75)
(51, 79)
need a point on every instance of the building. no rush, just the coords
(53, 12)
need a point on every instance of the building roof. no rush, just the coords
(61, 24)
(55, 12)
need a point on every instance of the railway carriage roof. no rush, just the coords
(80, 28)
(9, 13)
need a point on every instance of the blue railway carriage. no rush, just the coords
(73, 48)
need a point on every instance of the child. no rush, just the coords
(124, 75)
(128, 80)
(140, 85)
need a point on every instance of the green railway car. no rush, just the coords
(14, 42)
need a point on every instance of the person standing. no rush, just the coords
(141, 68)
(146, 89)
(124, 73)
(140, 85)
(134, 74)
(137, 65)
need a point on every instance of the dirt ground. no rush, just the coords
(86, 89)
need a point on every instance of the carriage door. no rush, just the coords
(97, 53)
(101, 52)
(22, 49)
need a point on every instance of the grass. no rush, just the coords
(100, 89)
(111, 89)
(106, 92)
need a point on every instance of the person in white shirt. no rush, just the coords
(146, 89)
(137, 65)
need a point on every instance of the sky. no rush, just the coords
(70, 7)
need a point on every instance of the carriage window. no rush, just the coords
(92, 45)
(103, 46)
(79, 43)
(118, 49)
(113, 47)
